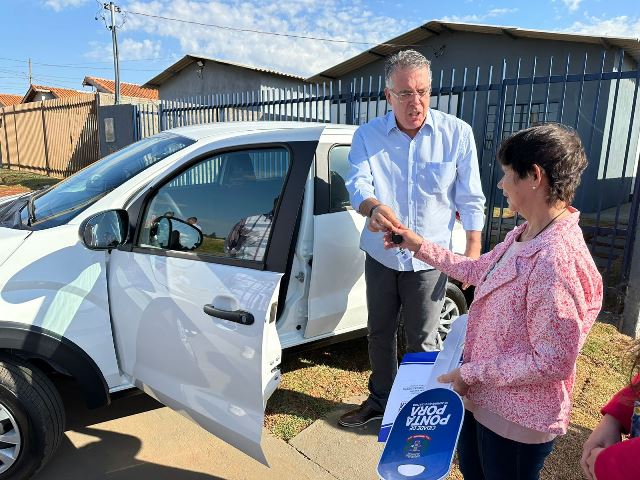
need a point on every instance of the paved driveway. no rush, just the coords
(137, 438)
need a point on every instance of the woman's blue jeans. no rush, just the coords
(485, 455)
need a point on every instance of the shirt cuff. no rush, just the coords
(469, 373)
(472, 221)
(359, 197)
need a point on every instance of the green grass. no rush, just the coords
(314, 383)
(318, 381)
(28, 180)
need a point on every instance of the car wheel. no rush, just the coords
(455, 304)
(32, 419)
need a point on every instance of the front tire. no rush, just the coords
(32, 419)
(455, 304)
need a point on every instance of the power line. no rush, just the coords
(38, 75)
(262, 32)
(98, 62)
(83, 66)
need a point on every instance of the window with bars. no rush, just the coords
(518, 117)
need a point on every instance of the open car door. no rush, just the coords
(194, 301)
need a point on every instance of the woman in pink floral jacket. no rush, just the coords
(538, 294)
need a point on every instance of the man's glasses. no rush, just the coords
(404, 97)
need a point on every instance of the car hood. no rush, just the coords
(10, 240)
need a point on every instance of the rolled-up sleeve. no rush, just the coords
(469, 199)
(360, 180)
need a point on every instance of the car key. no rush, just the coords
(402, 254)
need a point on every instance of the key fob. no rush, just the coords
(396, 238)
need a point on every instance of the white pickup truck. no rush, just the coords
(181, 265)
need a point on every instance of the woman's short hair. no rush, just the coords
(556, 149)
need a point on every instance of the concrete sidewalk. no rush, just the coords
(138, 438)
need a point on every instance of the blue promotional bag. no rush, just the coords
(423, 437)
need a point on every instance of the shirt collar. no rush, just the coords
(391, 122)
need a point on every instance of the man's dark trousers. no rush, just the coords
(421, 295)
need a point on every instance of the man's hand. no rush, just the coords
(605, 434)
(455, 378)
(383, 219)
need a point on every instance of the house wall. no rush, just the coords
(41, 97)
(217, 78)
(618, 153)
(587, 106)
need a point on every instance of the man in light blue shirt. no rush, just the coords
(415, 167)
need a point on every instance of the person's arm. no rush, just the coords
(474, 244)
(617, 462)
(361, 190)
(620, 407)
(359, 182)
(615, 422)
(462, 268)
(469, 199)
(560, 310)
(607, 433)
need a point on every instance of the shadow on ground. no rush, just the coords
(98, 453)
(350, 356)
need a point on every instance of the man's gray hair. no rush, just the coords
(404, 59)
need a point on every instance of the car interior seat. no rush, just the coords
(239, 169)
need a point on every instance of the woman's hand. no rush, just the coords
(605, 434)
(410, 240)
(455, 377)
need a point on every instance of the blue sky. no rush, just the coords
(65, 42)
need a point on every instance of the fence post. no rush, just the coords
(631, 313)
(6, 138)
(497, 137)
(15, 131)
(630, 322)
(349, 104)
(46, 140)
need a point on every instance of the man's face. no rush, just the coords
(410, 112)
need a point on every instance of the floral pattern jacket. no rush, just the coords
(527, 322)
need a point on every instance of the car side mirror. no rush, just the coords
(175, 234)
(105, 230)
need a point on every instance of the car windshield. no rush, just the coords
(65, 200)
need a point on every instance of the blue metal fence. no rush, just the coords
(601, 104)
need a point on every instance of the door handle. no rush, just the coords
(238, 316)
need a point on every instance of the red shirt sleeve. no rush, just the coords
(621, 406)
(620, 461)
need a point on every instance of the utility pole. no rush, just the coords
(114, 37)
(30, 74)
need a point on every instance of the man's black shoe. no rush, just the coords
(359, 416)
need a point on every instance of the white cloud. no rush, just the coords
(477, 18)
(622, 26)
(128, 49)
(572, 5)
(59, 5)
(334, 19)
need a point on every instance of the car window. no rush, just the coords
(65, 200)
(229, 200)
(338, 173)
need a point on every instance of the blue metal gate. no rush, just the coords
(596, 96)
